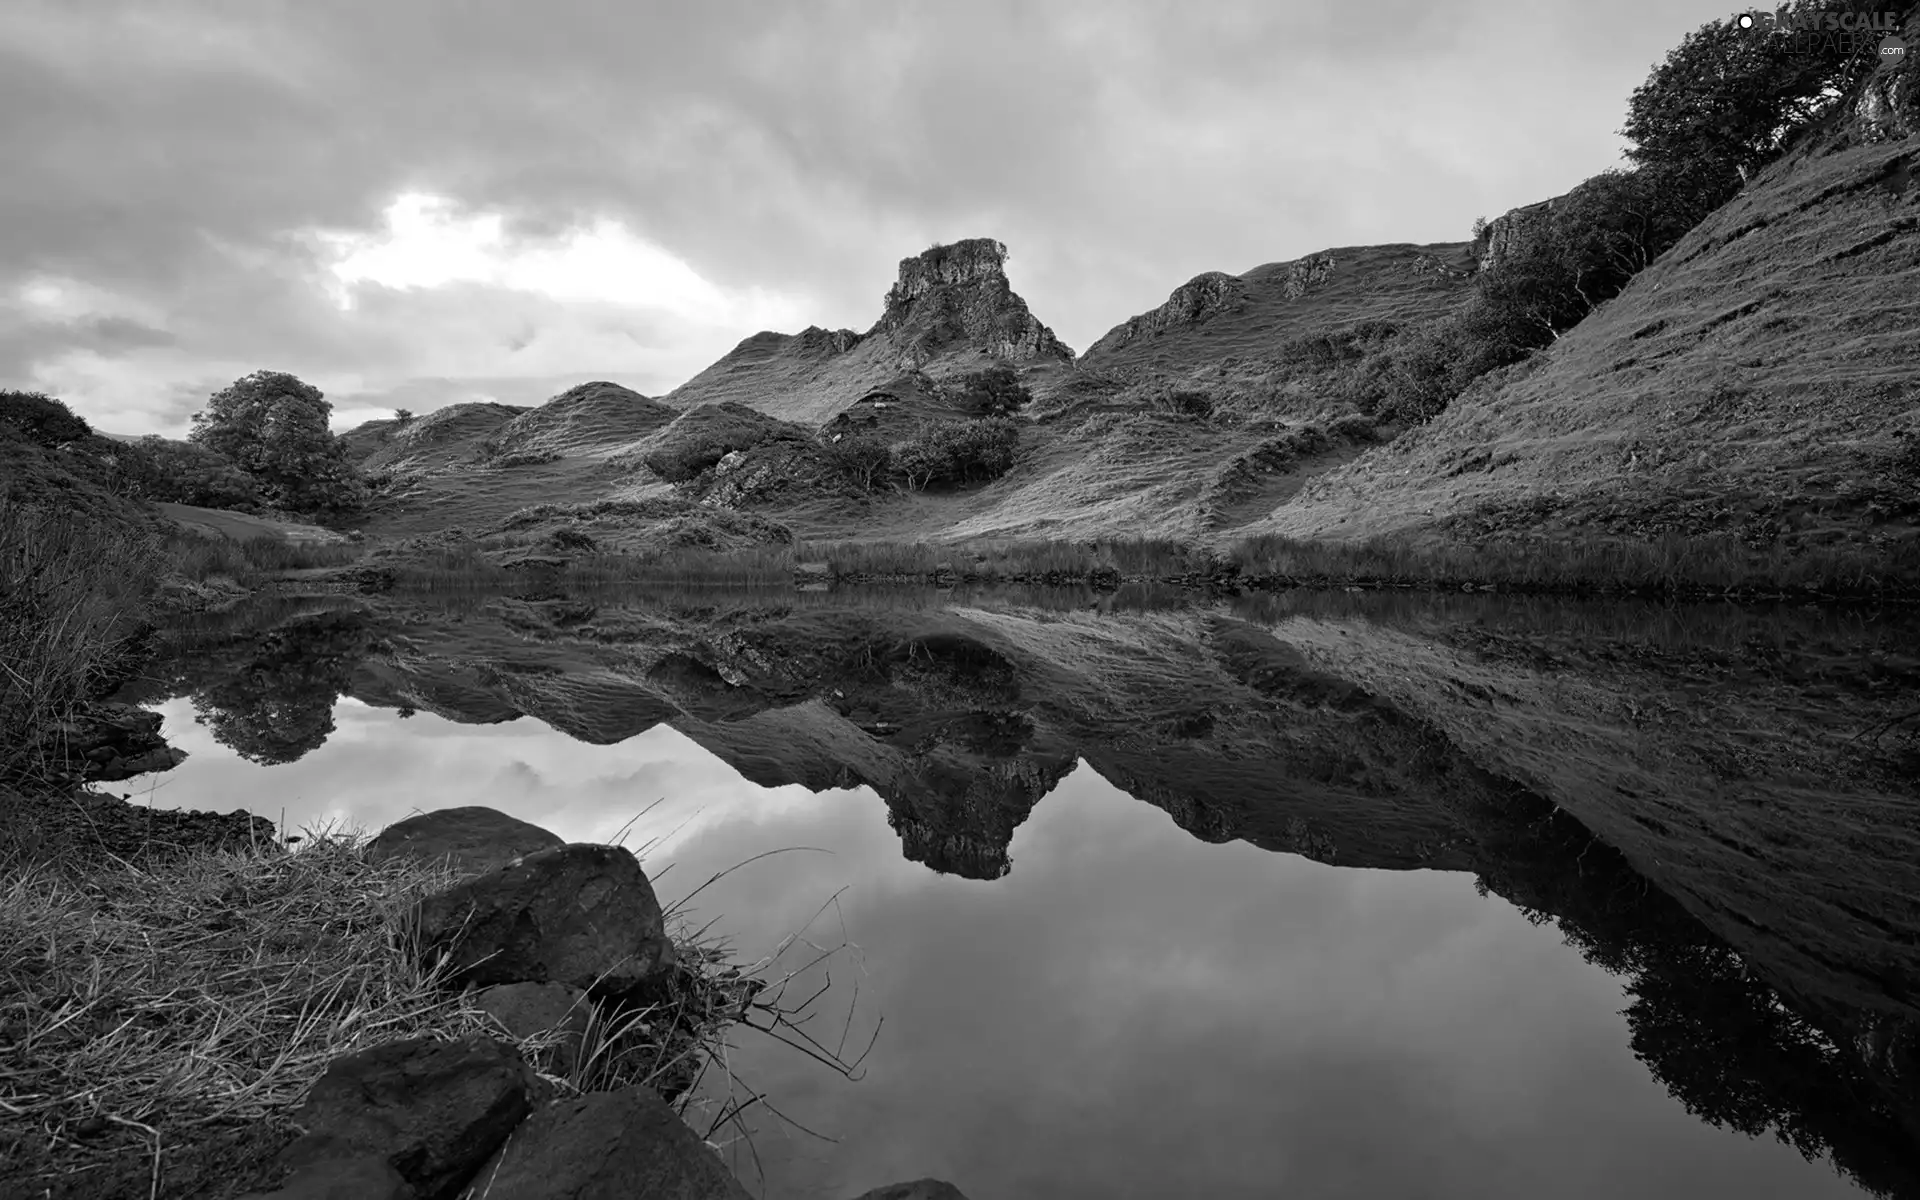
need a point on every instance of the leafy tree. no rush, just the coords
(157, 468)
(1731, 99)
(865, 461)
(274, 427)
(957, 452)
(37, 417)
(994, 392)
(403, 415)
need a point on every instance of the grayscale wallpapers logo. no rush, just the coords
(1833, 33)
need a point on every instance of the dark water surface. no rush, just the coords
(1328, 897)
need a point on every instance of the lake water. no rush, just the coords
(1294, 898)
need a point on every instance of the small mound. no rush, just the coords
(593, 419)
(437, 440)
(700, 437)
(638, 527)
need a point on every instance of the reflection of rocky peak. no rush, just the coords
(959, 293)
(958, 816)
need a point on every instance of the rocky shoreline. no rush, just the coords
(426, 1117)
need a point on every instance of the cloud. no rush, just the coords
(627, 191)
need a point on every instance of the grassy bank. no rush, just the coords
(159, 1012)
(72, 590)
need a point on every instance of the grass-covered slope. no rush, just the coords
(1218, 317)
(1757, 380)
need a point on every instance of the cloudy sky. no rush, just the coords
(420, 203)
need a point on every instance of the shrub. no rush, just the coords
(862, 460)
(39, 418)
(1182, 402)
(957, 452)
(157, 468)
(994, 392)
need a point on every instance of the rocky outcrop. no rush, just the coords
(1504, 232)
(1192, 303)
(106, 741)
(959, 292)
(532, 1010)
(1303, 276)
(582, 915)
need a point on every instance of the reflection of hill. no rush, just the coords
(1708, 1026)
(1754, 878)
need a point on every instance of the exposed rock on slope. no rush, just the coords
(1754, 380)
(960, 292)
(950, 310)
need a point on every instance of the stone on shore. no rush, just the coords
(582, 915)
(431, 1110)
(606, 1144)
(526, 1010)
(476, 839)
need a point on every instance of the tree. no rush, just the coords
(994, 392)
(865, 461)
(402, 415)
(157, 468)
(273, 426)
(1730, 99)
(37, 417)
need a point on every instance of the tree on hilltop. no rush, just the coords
(1731, 99)
(273, 426)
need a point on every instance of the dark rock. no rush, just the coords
(606, 1144)
(361, 1177)
(919, 1189)
(476, 839)
(525, 1010)
(433, 1111)
(106, 741)
(570, 915)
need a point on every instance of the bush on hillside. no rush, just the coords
(994, 392)
(957, 452)
(862, 460)
(1187, 403)
(157, 468)
(39, 418)
(273, 426)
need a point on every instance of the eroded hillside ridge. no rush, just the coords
(960, 290)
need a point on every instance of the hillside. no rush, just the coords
(1757, 379)
(1215, 318)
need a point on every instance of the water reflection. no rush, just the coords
(1090, 998)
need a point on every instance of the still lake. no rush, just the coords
(1150, 900)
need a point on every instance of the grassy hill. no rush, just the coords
(1758, 380)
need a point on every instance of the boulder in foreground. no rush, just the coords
(582, 915)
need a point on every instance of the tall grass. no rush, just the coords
(247, 561)
(71, 588)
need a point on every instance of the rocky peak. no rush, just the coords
(959, 292)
